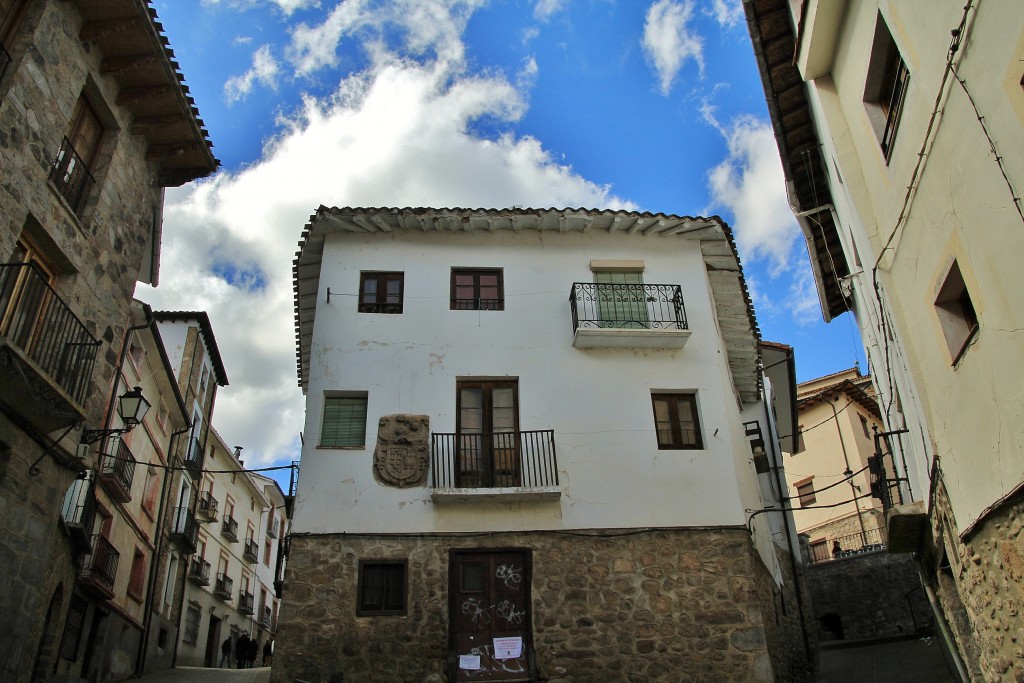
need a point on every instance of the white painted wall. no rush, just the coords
(597, 401)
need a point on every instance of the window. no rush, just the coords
(381, 587)
(864, 426)
(344, 424)
(192, 615)
(72, 172)
(267, 551)
(477, 290)
(621, 300)
(73, 628)
(886, 87)
(487, 422)
(805, 492)
(675, 420)
(381, 292)
(169, 583)
(956, 314)
(137, 578)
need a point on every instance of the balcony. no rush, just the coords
(199, 571)
(71, 177)
(245, 602)
(627, 316)
(185, 530)
(251, 551)
(272, 527)
(208, 507)
(506, 466)
(99, 568)
(46, 353)
(229, 529)
(223, 587)
(265, 617)
(117, 469)
(194, 457)
(850, 545)
(79, 511)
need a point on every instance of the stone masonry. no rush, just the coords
(664, 605)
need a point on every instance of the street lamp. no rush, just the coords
(132, 407)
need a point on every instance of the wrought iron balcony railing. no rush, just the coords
(208, 506)
(245, 602)
(99, 568)
(494, 460)
(265, 618)
(627, 306)
(79, 511)
(229, 529)
(223, 587)
(251, 551)
(837, 547)
(272, 526)
(72, 177)
(38, 322)
(185, 529)
(117, 469)
(194, 456)
(199, 571)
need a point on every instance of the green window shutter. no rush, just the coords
(344, 422)
(620, 299)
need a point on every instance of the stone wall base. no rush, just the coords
(614, 605)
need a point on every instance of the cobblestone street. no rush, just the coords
(189, 674)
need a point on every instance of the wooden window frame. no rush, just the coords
(137, 576)
(886, 86)
(381, 295)
(676, 440)
(805, 497)
(476, 302)
(335, 425)
(363, 608)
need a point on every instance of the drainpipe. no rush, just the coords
(849, 473)
(944, 631)
(147, 618)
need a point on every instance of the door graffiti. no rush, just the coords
(490, 600)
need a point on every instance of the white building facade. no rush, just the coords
(526, 453)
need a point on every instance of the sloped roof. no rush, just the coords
(206, 331)
(848, 387)
(137, 54)
(725, 273)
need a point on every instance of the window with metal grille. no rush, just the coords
(477, 290)
(192, 615)
(73, 628)
(676, 421)
(344, 422)
(381, 292)
(381, 587)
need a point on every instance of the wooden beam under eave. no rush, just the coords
(127, 63)
(145, 124)
(169, 150)
(130, 96)
(98, 30)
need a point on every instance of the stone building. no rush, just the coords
(829, 479)
(899, 126)
(230, 589)
(533, 442)
(94, 123)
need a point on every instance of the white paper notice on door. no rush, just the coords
(469, 662)
(508, 648)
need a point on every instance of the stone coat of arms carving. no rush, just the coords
(401, 456)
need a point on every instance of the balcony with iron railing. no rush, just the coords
(208, 507)
(499, 465)
(245, 602)
(117, 468)
(199, 571)
(185, 530)
(223, 587)
(79, 511)
(251, 551)
(194, 456)
(47, 355)
(606, 315)
(71, 177)
(265, 616)
(99, 568)
(848, 545)
(272, 527)
(229, 529)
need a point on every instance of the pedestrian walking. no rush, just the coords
(225, 653)
(254, 650)
(242, 651)
(268, 652)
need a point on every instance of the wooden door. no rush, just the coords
(490, 599)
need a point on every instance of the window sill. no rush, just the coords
(605, 338)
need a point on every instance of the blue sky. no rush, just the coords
(652, 105)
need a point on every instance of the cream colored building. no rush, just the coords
(829, 481)
(900, 126)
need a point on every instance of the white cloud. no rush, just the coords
(544, 9)
(286, 6)
(668, 41)
(727, 13)
(264, 70)
(395, 134)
